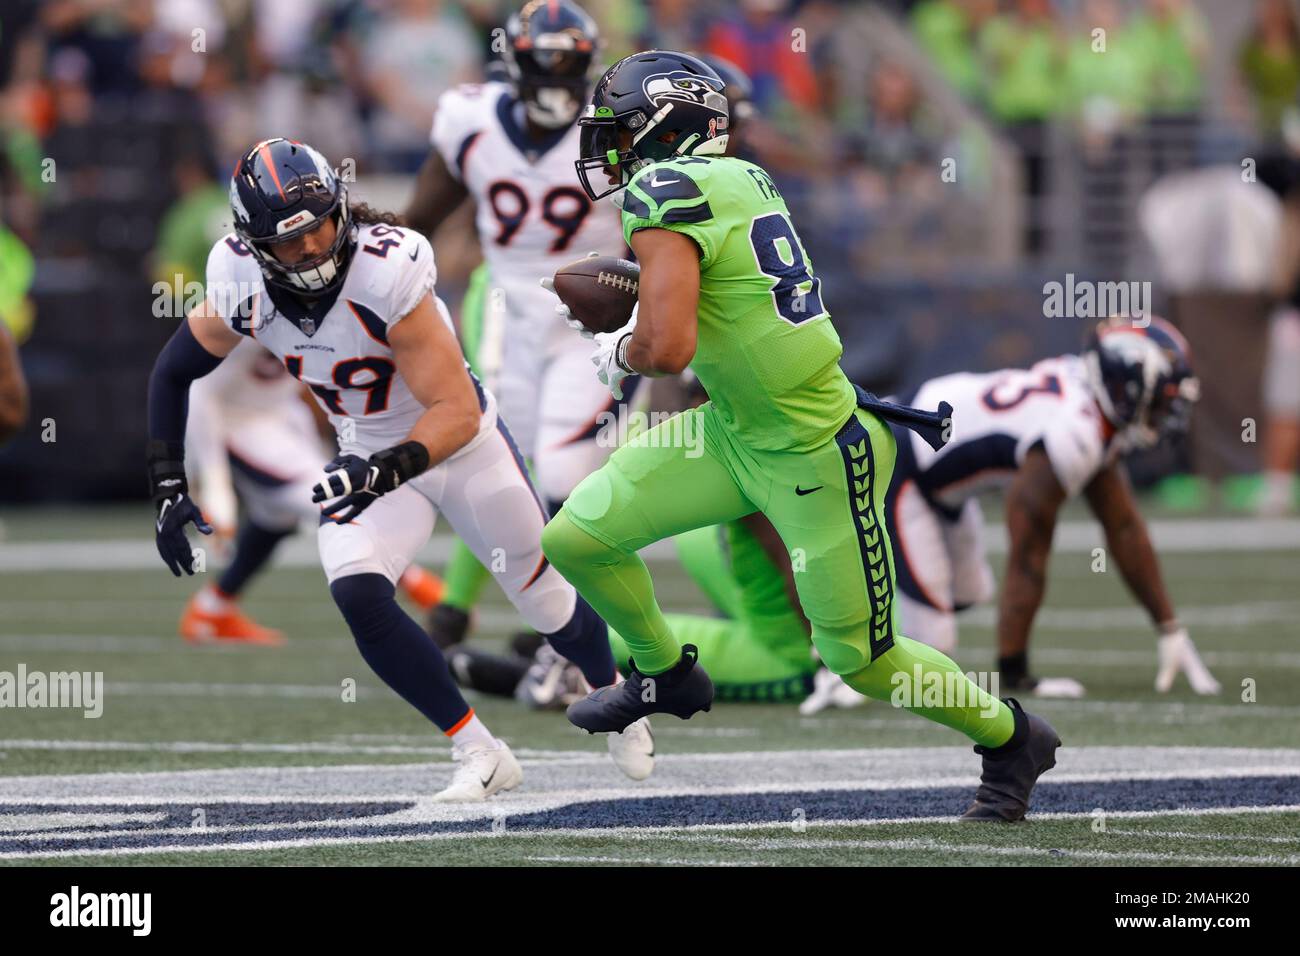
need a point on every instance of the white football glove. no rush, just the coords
(1177, 653)
(606, 356)
(562, 310)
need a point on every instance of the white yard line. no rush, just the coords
(1215, 837)
(1191, 535)
(924, 843)
(638, 834)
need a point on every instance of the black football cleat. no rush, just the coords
(1009, 775)
(448, 625)
(683, 690)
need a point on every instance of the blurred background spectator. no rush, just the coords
(1269, 61)
(944, 158)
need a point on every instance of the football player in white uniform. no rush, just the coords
(251, 433)
(1045, 434)
(510, 147)
(345, 298)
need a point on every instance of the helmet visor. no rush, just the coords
(598, 142)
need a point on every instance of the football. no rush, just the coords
(600, 291)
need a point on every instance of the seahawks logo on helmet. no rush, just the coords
(680, 85)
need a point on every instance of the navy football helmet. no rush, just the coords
(550, 45)
(668, 105)
(281, 190)
(740, 99)
(1142, 378)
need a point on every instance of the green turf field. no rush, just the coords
(243, 755)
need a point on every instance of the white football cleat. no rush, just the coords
(634, 749)
(1065, 687)
(1176, 652)
(551, 682)
(829, 690)
(483, 771)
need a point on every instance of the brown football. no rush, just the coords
(600, 291)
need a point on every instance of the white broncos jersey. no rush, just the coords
(342, 355)
(249, 382)
(533, 215)
(999, 416)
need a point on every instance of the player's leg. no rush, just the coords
(579, 423)
(703, 555)
(490, 502)
(923, 599)
(924, 567)
(762, 651)
(273, 461)
(973, 583)
(363, 560)
(847, 585)
(743, 665)
(482, 337)
(666, 481)
(848, 593)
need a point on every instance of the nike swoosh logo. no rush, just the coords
(807, 491)
(162, 513)
(490, 778)
(415, 253)
(655, 182)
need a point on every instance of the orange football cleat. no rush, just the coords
(233, 626)
(423, 587)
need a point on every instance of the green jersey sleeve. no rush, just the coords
(670, 196)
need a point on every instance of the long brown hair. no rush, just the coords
(364, 214)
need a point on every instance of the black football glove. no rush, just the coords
(173, 506)
(358, 482)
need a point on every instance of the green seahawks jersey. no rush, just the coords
(766, 349)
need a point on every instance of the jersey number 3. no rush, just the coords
(796, 292)
(1046, 384)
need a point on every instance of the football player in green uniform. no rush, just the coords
(727, 288)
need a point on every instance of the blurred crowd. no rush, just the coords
(918, 140)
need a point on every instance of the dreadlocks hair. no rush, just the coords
(364, 214)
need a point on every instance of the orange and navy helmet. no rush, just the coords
(1142, 378)
(550, 48)
(281, 190)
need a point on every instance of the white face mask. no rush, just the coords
(553, 107)
(314, 280)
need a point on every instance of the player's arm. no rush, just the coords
(770, 539)
(1111, 499)
(430, 361)
(195, 349)
(437, 195)
(1032, 502)
(13, 388)
(663, 342)
(1110, 496)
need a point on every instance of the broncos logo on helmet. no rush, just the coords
(1142, 378)
(281, 190)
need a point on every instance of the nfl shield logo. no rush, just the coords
(308, 326)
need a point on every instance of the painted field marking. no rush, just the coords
(1190, 535)
(623, 833)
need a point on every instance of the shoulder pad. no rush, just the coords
(669, 192)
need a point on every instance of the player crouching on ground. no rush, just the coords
(1044, 434)
(345, 299)
(727, 288)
